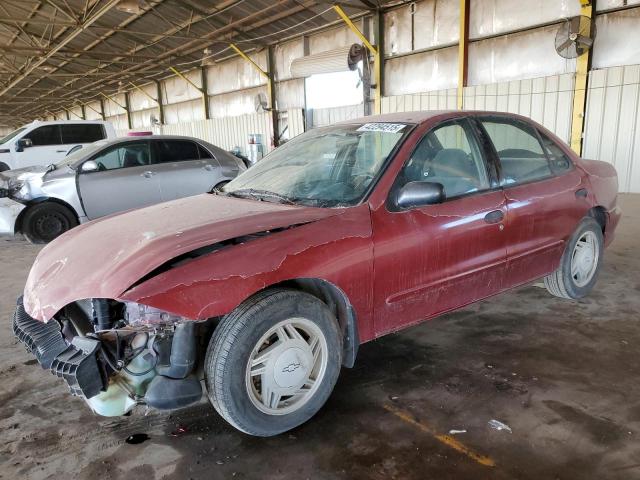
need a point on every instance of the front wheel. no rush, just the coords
(273, 362)
(46, 221)
(580, 263)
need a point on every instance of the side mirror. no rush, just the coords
(23, 143)
(89, 166)
(415, 194)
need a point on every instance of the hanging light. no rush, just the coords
(129, 6)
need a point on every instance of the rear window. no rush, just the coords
(82, 133)
(176, 151)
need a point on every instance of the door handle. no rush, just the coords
(495, 216)
(147, 174)
(208, 167)
(581, 193)
(61, 151)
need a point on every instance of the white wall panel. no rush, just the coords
(492, 17)
(547, 100)
(142, 118)
(189, 111)
(609, 4)
(176, 89)
(284, 54)
(140, 101)
(528, 54)
(427, 71)
(295, 122)
(612, 123)
(328, 116)
(113, 107)
(290, 94)
(236, 74)
(436, 100)
(618, 40)
(226, 133)
(242, 102)
(333, 38)
(91, 109)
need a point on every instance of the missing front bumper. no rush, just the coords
(77, 362)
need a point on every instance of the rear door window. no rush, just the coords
(169, 151)
(82, 133)
(45, 135)
(521, 155)
(559, 160)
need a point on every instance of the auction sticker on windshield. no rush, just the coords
(382, 127)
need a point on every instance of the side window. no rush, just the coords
(176, 151)
(559, 160)
(45, 135)
(82, 133)
(521, 155)
(204, 153)
(123, 156)
(449, 155)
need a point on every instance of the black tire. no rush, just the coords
(4, 167)
(233, 341)
(43, 222)
(561, 283)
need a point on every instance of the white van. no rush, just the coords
(44, 143)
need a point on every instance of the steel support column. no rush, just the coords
(205, 94)
(580, 87)
(376, 52)
(463, 52)
(270, 86)
(160, 104)
(127, 103)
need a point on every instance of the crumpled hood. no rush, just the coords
(102, 259)
(22, 173)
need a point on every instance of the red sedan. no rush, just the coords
(266, 287)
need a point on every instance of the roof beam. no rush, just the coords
(73, 34)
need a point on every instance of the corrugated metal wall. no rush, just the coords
(327, 116)
(612, 128)
(225, 133)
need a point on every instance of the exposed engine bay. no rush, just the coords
(117, 355)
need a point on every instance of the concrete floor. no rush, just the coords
(562, 375)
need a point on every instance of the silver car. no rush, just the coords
(106, 177)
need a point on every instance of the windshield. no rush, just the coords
(326, 167)
(81, 154)
(11, 135)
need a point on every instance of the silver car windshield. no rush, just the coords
(82, 154)
(326, 167)
(11, 135)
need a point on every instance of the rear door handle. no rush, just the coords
(581, 193)
(147, 174)
(208, 167)
(61, 151)
(495, 216)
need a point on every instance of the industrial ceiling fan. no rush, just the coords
(575, 36)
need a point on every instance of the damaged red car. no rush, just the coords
(263, 290)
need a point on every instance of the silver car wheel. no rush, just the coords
(584, 260)
(286, 366)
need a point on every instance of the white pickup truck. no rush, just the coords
(45, 143)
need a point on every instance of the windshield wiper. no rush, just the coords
(261, 195)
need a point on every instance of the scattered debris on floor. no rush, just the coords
(456, 432)
(178, 431)
(137, 438)
(498, 425)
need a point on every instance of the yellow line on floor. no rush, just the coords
(448, 440)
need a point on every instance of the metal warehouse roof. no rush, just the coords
(56, 52)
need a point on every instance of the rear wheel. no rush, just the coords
(580, 264)
(4, 167)
(273, 362)
(46, 221)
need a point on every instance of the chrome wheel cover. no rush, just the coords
(584, 259)
(286, 366)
